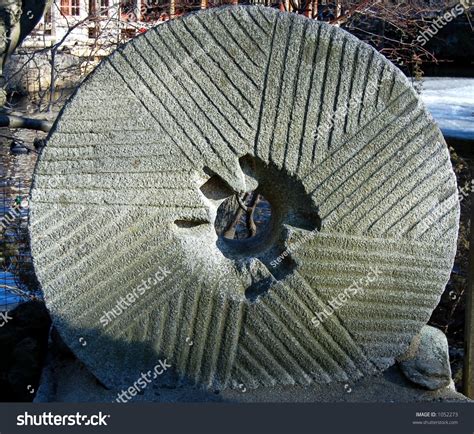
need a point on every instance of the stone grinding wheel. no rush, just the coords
(363, 198)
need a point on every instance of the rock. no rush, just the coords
(17, 148)
(426, 362)
(39, 144)
(363, 197)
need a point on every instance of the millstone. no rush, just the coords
(363, 197)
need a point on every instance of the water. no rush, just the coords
(451, 102)
(17, 282)
(8, 299)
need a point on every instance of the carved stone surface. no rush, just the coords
(363, 196)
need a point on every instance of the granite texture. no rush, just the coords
(364, 206)
(426, 362)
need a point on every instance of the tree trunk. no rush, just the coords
(231, 227)
(314, 9)
(172, 9)
(11, 121)
(251, 226)
(17, 19)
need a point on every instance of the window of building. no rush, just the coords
(104, 7)
(71, 7)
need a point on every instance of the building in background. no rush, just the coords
(82, 25)
(82, 32)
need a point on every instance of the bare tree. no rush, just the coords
(390, 26)
(17, 19)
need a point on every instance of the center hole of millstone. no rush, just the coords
(244, 216)
(254, 227)
(260, 221)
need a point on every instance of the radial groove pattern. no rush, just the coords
(329, 125)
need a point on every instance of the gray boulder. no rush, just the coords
(427, 360)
